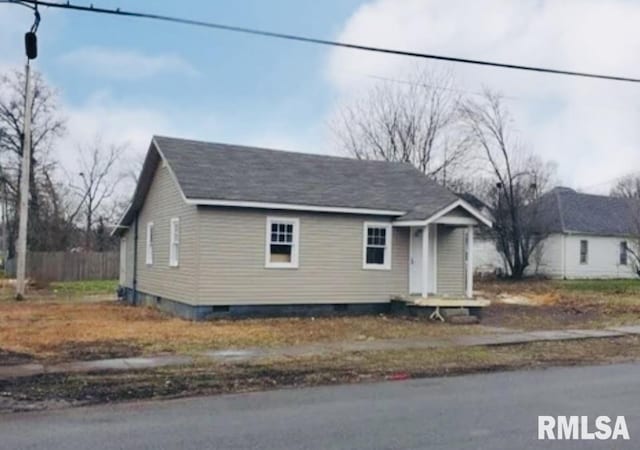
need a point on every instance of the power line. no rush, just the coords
(292, 37)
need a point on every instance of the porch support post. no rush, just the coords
(470, 261)
(425, 261)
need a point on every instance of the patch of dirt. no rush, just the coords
(9, 358)
(545, 316)
(88, 351)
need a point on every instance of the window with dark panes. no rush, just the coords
(584, 251)
(623, 253)
(376, 245)
(281, 245)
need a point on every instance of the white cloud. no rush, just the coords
(126, 64)
(589, 127)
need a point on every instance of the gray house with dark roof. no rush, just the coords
(217, 229)
(589, 236)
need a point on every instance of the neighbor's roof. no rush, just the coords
(207, 172)
(564, 210)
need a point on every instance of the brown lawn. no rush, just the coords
(78, 330)
(78, 327)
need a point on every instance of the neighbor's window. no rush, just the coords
(149, 254)
(174, 242)
(377, 246)
(584, 251)
(282, 243)
(623, 253)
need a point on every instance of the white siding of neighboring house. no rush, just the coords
(560, 257)
(547, 259)
(603, 258)
(486, 258)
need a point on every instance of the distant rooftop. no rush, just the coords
(563, 210)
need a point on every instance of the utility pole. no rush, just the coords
(31, 48)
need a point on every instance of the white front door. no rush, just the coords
(415, 261)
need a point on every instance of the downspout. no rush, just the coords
(135, 261)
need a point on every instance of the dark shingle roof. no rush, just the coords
(211, 171)
(564, 210)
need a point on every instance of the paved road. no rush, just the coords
(489, 411)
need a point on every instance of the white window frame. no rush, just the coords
(174, 242)
(295, 244)
(387, 248)
(149, 242)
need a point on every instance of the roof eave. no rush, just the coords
(434, 217)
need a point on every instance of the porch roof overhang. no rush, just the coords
(475, 217)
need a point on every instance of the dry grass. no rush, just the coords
(87, 330)
(563, 304)
(65, 329)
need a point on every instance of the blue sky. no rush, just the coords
(126, 79)
(243, 84)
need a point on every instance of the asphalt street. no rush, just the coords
(486, 411)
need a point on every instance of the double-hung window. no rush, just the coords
(149, 252)
(377, 246)
(282, 243)
(623, 253)
(174, 242)
(584, 251)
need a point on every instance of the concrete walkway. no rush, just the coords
(501, 337)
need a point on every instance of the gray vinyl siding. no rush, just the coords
(163, 202)
(451, 271)
(128, 272)
(232, 255)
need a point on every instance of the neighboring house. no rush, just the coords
(589, 236)
(216, 229)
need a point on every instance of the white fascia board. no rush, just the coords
(475, 213)
(434, 218)
(119, 225)
(173, 175)
(292, 207)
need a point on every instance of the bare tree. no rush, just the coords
(47, 126)
(97, 184)
(518, 179)
(410, 121)
(628, 187)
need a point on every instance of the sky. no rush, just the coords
(127, 79)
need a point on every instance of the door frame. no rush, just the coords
(432, 282)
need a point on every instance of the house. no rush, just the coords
(588, 236)
(217, 229)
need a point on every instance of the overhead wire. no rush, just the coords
(326, 42)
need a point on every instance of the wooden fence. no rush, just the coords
(68, 266)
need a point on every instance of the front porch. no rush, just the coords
(441, 259)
